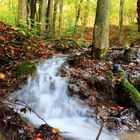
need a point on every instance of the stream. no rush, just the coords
(46, 93)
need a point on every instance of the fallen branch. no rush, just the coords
(100, 130)
(22, 103)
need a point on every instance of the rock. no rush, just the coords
(73, 88)
(74, 60)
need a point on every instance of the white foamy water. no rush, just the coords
(47, 95)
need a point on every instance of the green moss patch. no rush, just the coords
(24, 69)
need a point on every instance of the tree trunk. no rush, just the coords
(42, 16)
(60, 17)
(77, 15)
(54, 15)
(85, 19)
(138, 11)
(22, 12)
(121, 21)
(49, 16)
(32, 11)
(100, 43)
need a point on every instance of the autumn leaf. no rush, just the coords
(55, 130)
(38, 135)
(14, 80)
(37, 139)
(60, 138)
(2, 76)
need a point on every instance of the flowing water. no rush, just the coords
(47, 95)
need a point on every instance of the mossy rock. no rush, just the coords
(137, 83)
(127, 56)
(127, 95)
(25, 69)
(74, 60)
(133, 92)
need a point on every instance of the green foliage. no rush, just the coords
(29, 33)
(109, 75)
(9, 11)
(25, 69)
(83, 43)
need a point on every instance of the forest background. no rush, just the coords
(84, 26)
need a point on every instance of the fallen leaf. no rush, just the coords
(38, 135)
(55, 130)
(60, 138)
(13, 80)
(2, 76)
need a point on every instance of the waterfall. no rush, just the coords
(47, 95)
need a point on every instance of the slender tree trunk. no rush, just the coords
(32, 11)
(9, 4)
(100, 43)
(60, 17)
(121, 21)
(22, 12)
(49, 16)
(138, 12)
(54, 15)
(42, 16)
(77, 15)
(85, 19)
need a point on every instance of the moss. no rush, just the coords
(109, 75)
(100, 54)
(133, 92)
(127, 94)
(137, 83)
(25, 69)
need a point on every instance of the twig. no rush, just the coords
(22, 103)
(100, 130)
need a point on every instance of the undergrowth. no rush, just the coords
(25, 69)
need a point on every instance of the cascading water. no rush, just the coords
(47, 95)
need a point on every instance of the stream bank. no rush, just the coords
(86, 79)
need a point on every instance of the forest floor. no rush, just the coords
(16, 49)
(130, 35)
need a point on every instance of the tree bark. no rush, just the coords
(100, 43)
(22, 13)
(54, 15)
(49, 16)
(85, 19)
(60, 17)
(77, 15)
(32, 11)
(121, 21)
(138, 12)
(42, 16)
